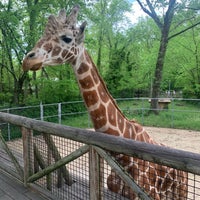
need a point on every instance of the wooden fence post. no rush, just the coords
(96, 175)
(28, 154)
(63, 171)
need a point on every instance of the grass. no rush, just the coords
(181, 115)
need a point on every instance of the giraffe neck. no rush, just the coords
(104, 112)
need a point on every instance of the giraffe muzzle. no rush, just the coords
(31, 62)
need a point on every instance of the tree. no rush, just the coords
(164, 22)
(107, 35)
(12, 51)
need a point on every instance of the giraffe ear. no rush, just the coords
(80, 36)
(82, 27)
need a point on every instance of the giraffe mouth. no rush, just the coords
(32, 64)
(36, 67)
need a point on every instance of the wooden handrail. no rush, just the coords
(183, 160)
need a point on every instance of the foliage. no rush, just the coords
(126, 54)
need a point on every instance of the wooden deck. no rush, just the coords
(12, 189)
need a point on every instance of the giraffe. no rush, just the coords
(62, 42)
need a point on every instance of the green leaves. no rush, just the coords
(125, 54)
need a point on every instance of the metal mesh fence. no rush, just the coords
(179, 113)
(79, 169)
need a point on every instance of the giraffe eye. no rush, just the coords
(66, 39)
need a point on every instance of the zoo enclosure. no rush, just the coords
(65, 157)
(178, 114)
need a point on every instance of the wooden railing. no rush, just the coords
(97, 143)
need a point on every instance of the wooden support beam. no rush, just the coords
(40, 162)
(28, 155)
(12, 157)
(96, 175)
(74, 155)
(62, 172)
(123, 174)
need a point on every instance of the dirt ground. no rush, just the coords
(176, 138)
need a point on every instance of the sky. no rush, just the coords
(133, 15)
(136, 12)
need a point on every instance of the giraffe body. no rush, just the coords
(61, 43)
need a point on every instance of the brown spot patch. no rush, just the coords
(123, 160)
(83, 68)
(138, 127)
(111, 110)
(120, 121)
(103, 94)
(167, 183)
(48, 47)
(133, 171)
(59, 60)
(144, 181)
(95, 76)
(86, 83)
(90, 97)
(111, 131)
(71, 58)
(87, 57)
(56, 51)
(56, 40)
(64, 53)
(153, 193)
(40, 43)
(129, 132)
(161, 171)
(73, 50)
(153, 177)
(98, 117)
(114, 182)
(146, 137)
(140, 137)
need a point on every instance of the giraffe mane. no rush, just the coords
(104, 85)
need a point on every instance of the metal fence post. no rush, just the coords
(41, 112)
(172, 113)
(143, 111)
(8, 127)
(59, 113)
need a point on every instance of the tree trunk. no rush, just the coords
(158, 71)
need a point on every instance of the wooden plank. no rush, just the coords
(179, 159)
(10, 170)
(15, 189)
(42, 191)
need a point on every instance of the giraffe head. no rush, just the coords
(61, 42)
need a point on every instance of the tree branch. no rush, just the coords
(170, 12)
(192, 8)
(184, 30)
(151, 13)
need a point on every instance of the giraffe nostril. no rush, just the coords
(31, 55)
